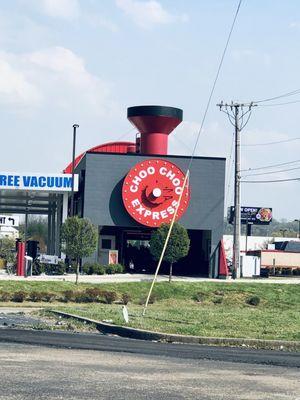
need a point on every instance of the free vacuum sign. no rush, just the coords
(33, 182)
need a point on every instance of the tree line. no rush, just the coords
(282, 228)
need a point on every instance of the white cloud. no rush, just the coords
(67, 9)
(249, 55)
(238, 55)
(15, 88)
(183, 139)
(100, 21)
(294, 25)
(54, 77)
(148, 13)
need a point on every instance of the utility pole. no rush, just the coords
(236, 113)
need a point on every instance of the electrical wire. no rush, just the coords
(277, 180)
(272, 172)
(214, 83)
(126, 133)
(269, 143)
(194, 151)
(279, 104)
(292, 93)
(270, 166)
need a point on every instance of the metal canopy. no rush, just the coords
(27, 202)
(54, 205)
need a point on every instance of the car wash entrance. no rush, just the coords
(133, 246)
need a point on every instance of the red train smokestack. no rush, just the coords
(154, 123)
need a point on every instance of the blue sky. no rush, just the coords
(67, 61)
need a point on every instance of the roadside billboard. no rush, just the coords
(252, 215)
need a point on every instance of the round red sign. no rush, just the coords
(151, 192)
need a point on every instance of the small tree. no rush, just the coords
(178, 245)
(79, 239)
(8, 250)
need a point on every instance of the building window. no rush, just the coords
(106, 244)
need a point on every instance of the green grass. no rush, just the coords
(223, 310)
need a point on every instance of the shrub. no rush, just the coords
(93, 294)
(36, 296)
(109, 269)
(88, 268)
(152, 299)
(287, 271)
(253, 300)
(48, 297)
(199, 297)
(119, 268)
(114, 269)
(99, 269)
(71, 268)
(217, 300)
(68, 295)
(93, 268)
(296, 271)
(219, 292)
(83, 297)
(37, 268)
(126, 298)
(55, 269)
(18, 297)
(5, 296)
(109, 296)
(90, 295)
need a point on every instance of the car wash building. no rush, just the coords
(127, 189)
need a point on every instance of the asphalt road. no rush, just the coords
(90, 341)
(37, 373)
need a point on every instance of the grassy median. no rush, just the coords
(245, 310)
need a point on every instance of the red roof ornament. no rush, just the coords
(151, 192)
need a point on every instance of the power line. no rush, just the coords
(215, 82)
(126, 133)
(270, 166)
(292, 93)
(278, 104)
(269, 143)
(194, 150)
(273, 172)
(277, 180)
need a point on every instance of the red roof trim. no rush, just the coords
(110, 147)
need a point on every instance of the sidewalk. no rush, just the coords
(141, 278)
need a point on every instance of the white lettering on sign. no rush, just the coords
(46, 182)
(151, 191)
(9, 220)
(155, 215)
(151, 171)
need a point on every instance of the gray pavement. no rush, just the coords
(32, 372)
(8, 319)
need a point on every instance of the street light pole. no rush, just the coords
(75, 126)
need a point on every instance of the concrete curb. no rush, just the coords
(141, 334)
